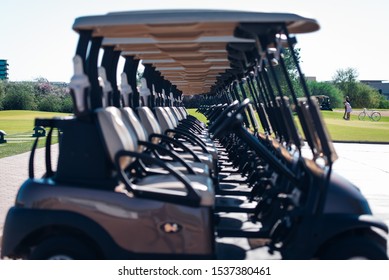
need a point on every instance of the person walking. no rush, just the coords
(348, 110)
(345, 108)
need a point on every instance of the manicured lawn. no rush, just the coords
(19, 128)
(198, 115)
(356, 130)
(342, 130)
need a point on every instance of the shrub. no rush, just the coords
(2, 94)
(384, 103)
(325, 88)
(364, 96)
(50, 103)
(19, 96)
(66, 104)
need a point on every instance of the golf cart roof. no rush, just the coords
(188, 47)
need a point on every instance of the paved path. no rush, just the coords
(366, 165)
(13, 172)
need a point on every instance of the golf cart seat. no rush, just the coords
(131, 120)
(169, 122)
(118, 139)
(154, 129)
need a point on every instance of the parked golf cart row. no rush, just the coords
(139, 178)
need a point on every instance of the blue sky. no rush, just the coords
(37, 39)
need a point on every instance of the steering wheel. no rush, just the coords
(223, 115)
(229, 119)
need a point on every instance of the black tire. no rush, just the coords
(376, 116)
(354, 247)
(62, 248)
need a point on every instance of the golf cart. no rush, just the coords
(139, 178)
(324, 102)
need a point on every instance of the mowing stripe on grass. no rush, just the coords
(19, 128)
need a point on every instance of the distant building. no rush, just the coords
(3, 69)
(310, 78)
(59, 84)
(381, 86)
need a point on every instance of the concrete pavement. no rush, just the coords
(367, 166)
(13, 172)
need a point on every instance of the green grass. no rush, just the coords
(356, 130)
(15, 122)
(19, 128)
(15, 148)
(198, 115)
(341, 130)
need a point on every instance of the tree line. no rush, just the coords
(39, 95)
(42, 95)
(344, 83)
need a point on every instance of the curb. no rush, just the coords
(361, 142)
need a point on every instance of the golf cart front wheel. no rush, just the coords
(61, 248)
(354, 248)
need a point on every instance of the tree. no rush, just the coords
(384, 103)
(42, 87)
(192, 101)
(289, 62)
(325, 88)
(50, 103)
(365, 96)
(361, 95)
(292, 73)
(343, 77)
(2, 94)
(19, 96)
(66, 104)
(346, 80)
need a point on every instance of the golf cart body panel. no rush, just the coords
(171, 229)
